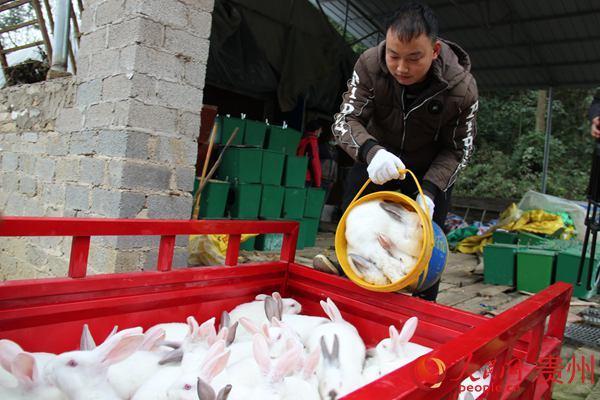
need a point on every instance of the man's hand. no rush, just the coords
(595, 128)
(426, 200)
(384, 167)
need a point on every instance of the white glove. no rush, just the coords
(384, 167)
(426, 201)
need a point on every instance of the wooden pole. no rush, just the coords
(211, 141)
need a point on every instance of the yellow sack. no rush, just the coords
(210, 249)
(513, 219)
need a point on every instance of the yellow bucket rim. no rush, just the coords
(421, 266)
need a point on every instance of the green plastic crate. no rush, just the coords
(499, 263)
(315, 198)
(241, 164)
(294, 173)
(272, 167)
(293, 203)
(302, 231)
(504, 237)
(255, 133)
(312, 229)
(269, 242)
(535, 269)
(226, 128)
(567, 266)
(214, 199)
(283, 140)
(246, 200)
(530, 239)
(271, 202)
(249, 244)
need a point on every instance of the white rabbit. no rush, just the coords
(368, 229)
(303, 385)
(255, 311)
(479, 381)
(83, 374)
(187, 386)
(127, 376)
(30, 383)
(341, 369)
(303, 325)
(9, 350)
(395, 351)
(175, 332)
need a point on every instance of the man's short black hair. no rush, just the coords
(413, 19)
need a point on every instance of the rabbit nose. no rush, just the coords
(332, 395)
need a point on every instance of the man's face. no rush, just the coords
(409, 62)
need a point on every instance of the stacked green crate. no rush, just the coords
(310, 234)
(271, 202)
(499, 263)
(535, 269)
(567, 268)
(226, 128)
(293, 202)
(214, 199)
(294, 173)
(255, 133)
(246, 205)
(269, 242)
(315, 199)
(504, 237)
(272, 167)
(283, 140)
(241, 164)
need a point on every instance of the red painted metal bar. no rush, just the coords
(288, 247)
(80, 249)
(165, 253)
(233, 250)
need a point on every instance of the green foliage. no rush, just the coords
(509, 154)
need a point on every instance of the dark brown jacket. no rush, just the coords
(434, 137)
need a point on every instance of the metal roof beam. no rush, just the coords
(533, 43)
(544, 65)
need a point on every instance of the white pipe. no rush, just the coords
(62, 25)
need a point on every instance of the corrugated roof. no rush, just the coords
(512, 43)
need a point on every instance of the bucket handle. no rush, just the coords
(401, 171)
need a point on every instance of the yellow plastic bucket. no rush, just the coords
(414, 277)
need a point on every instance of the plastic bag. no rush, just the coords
(210, 249)
(533, 200)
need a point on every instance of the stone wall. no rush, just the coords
(119, 141)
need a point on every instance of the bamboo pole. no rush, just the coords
(211, 141)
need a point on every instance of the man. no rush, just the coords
(595, 115)
(411, 103)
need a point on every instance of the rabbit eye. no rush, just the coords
(187, 386)
(72, 363)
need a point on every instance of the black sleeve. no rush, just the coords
(595, 107)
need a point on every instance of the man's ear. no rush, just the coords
(437, 47)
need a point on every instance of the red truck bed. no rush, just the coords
(47, 314)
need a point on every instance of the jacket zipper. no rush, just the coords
(405, 117)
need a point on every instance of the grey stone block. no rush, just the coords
(136, 30)
(155, 118)
(77, 197)
(91, 171)
(202, 5)
(104, 63)
(115, 173)
(92, 42)
(109, 11)
(160, 64)
(200, 23)
(189, 125)
(186, 44)
(131, 204)
(190, 151)
(89, 92)
(112, 143)
(100, 115)
(58, 145)
(138, 242)
(137, 145)
(127, 58)
(83, 143)
(10, 182)
(169, 207)
(170, 13)
(180, 96)
(53, 195)
(106, 202)
(26, 164)
(116, 87)
(10, 161)
(185, 178)
(28, 185)
(195, 73)
(67, 170)
(31, 137)
(180, 258)
(69, 120)
(136, 175)
(44, 169)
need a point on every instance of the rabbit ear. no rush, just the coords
(152, 339)
(249, 325)
(310, 365)
(337, 316)
(24, 368)
(331, 358)
(120, 346)
(207, 329)
(261, 297)
(270, 308)
(87, 340)
(175, 355)
(225, 320)
(276, 323)
(205, 391)
(215, 366)
(192, 325)
(326, 309)
(231, 333)
(222, 335)
(393, 332)
(408, 330)
(115, 329)
(393, 210)
(224, 392)
(384, 241)
(265, 331)
(261, 353)
(8, 351)
(213, 351)
(286, 364)
(279, 302)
